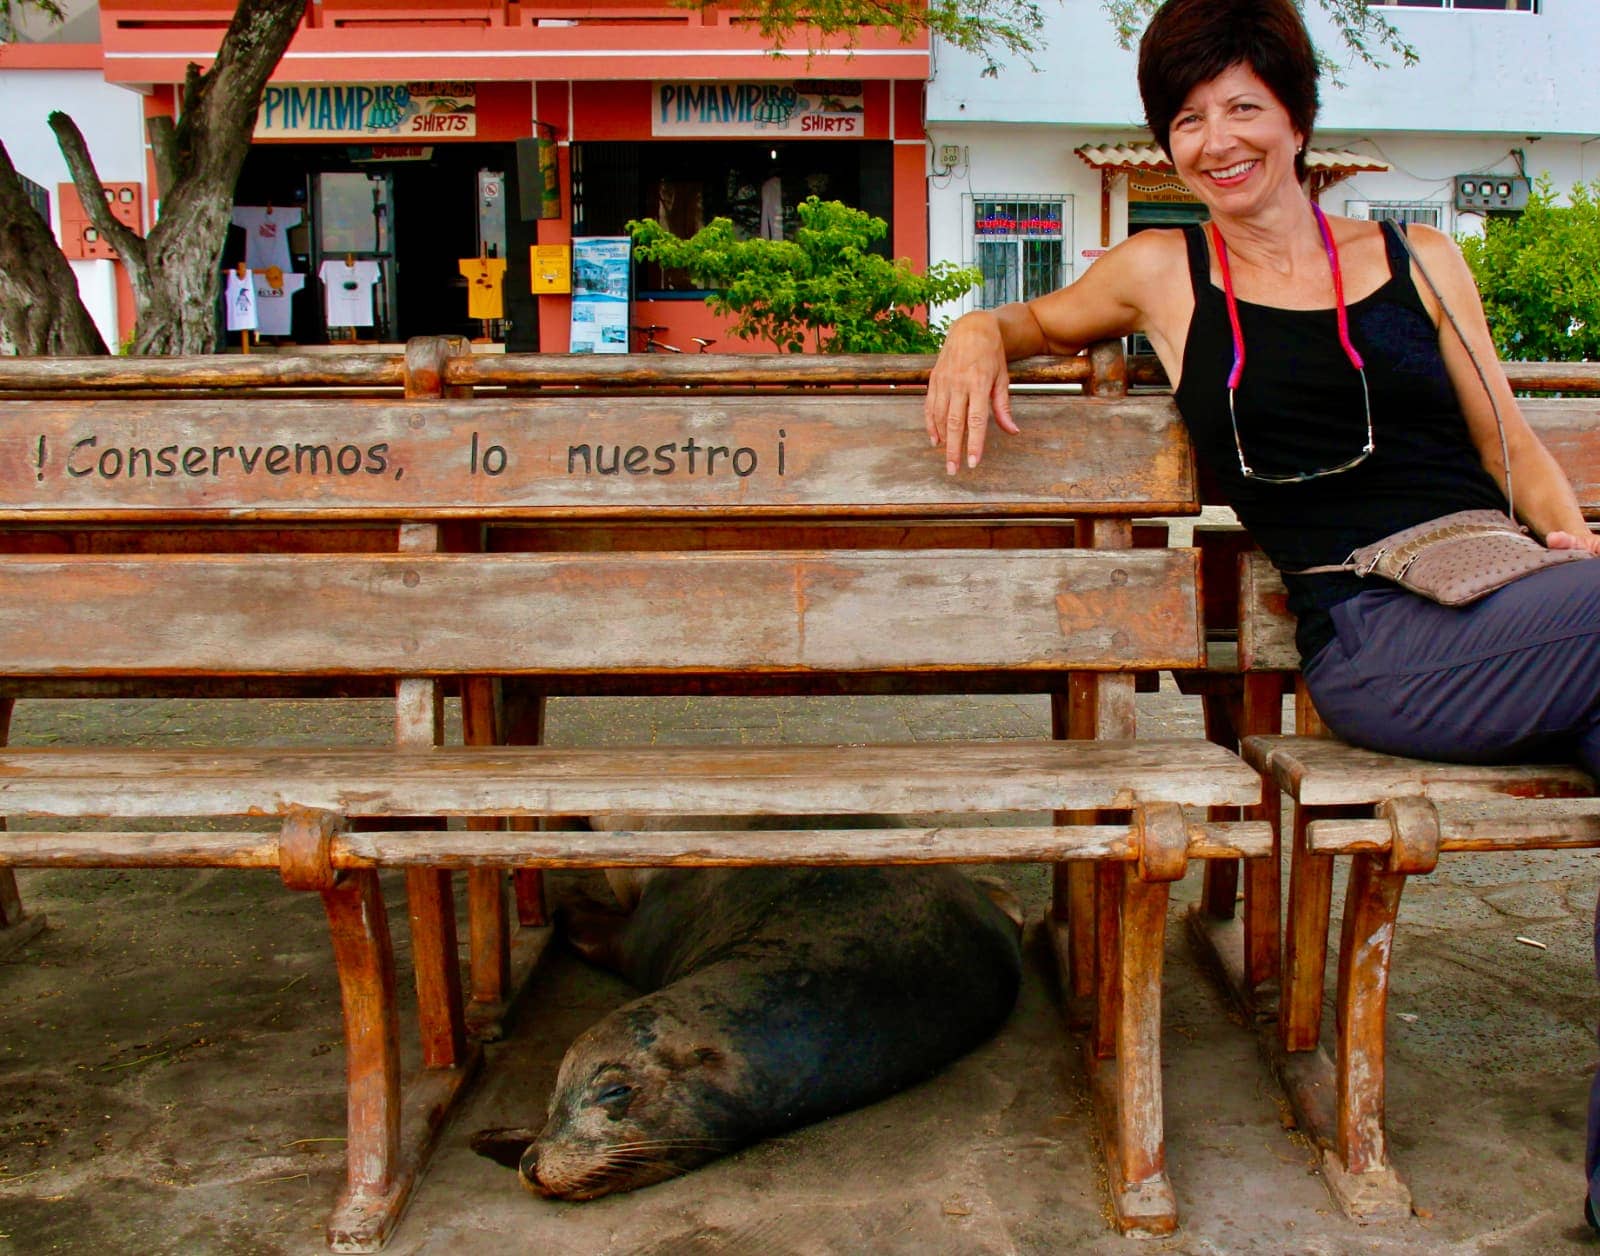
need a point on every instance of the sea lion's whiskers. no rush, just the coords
(668, 1144)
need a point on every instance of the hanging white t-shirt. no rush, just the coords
(347, 292)
(274, 307)
(266, 234)
(240, 299)
(771, 209)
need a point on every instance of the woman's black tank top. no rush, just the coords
(1300, 409)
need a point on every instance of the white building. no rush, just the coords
(60, 67)
(1496, 93)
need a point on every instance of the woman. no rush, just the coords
(1333, 401)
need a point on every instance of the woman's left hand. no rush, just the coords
(1569, 540)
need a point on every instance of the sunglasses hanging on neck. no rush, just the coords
(1237, 372)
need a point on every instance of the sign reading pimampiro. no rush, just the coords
(318, 111)
(803, 109)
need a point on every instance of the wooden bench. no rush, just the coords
(564, 540)
(1392, 816)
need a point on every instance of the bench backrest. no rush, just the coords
(823, 455)
(845, 468)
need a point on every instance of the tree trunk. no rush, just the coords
(40, 311)
(208, 148)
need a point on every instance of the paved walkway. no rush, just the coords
(171, 1079)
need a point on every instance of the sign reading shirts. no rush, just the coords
(436, 111)
(803, 109)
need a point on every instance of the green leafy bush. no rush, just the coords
(826, 283)
(1539, 274)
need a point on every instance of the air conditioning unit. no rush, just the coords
(1491, 193)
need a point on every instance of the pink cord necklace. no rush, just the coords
(1237, 372)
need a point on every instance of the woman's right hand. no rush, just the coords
(968, 384)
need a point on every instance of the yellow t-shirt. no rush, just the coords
(485, 276)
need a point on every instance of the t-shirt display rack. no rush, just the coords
(349, 283)
(267, 271)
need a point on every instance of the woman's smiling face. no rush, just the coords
(1233, 142)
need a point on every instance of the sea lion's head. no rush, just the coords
(641, 1096)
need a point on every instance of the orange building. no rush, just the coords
(413, 136)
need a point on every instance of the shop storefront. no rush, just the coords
(443, 168)
(684, 152)
(369, 210)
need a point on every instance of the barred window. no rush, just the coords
(1429, 213)
(1503, 6)
(1020, 245)
(37, 195)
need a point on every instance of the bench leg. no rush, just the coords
(1357, 1166)
(1305, 948)
(364, 954)
(490, 945)
(431, 899)
(502, 956)
(1105, 1031)
(522, 711)
(1127, 1090)
(389, 1134)
(16, 926)
(1261, 711)
(1246, 952)
(1305, 943)
(1072, 911)
(1220, 887)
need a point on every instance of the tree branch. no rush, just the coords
(214, 132)
(128, 244)
(163, 145)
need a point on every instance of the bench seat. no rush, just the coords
(1325, 772)
(652, 780)
(1392, 816)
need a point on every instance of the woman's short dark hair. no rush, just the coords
(1190, 42)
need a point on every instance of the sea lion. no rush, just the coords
(779, 996)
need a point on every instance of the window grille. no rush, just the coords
(1501, 6)
(37, 196)
(1429, 213)
(1020, 244)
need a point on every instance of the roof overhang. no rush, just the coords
(1146, 156)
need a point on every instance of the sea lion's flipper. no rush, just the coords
(503, 1145)
(999, 893)
(628, 884)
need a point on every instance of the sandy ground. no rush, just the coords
(171, 1074)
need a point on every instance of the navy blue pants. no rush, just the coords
(1513, 676)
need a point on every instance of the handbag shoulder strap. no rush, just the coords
(1505, 455)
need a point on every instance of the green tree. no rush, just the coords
(993, 28)
(826, 283)
(1539, 275)
(1365, 31)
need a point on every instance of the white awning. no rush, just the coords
(1337, 162)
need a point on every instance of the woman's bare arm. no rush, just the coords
(1543, 494)
(969, 383)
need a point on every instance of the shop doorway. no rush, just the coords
(403, 216)
(353, 247)
(1146, 215)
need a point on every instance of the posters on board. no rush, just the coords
(601, 267)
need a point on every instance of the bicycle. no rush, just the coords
(652, 345)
